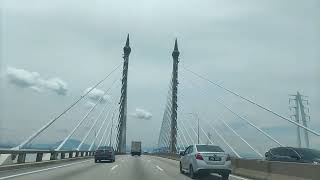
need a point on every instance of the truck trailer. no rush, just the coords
(136, 148)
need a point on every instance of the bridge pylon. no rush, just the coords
(174, 104)
(122, 125)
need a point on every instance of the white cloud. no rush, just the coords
(96, 94)
(89, 104)
(142, 114)
(34, 81)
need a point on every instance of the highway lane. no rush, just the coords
(125, 167)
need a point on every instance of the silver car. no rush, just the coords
(204, 159)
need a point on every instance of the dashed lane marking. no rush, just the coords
(159, 168)
(115, 166)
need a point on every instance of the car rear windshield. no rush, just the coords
(308, 154)
(208, 148)
(105, 148)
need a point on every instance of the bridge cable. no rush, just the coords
(183, 135)
(92, 126)
(222, 138)
(84, 118)
(97, 135)
(183, 126)
(252, 148)
(94, 140)
(190, 125)
(107, 127)
(33, 136)
(251, 101)
(246, 120)
(180, 139)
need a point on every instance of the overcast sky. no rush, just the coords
(53, 51)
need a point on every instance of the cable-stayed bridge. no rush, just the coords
(179, 129)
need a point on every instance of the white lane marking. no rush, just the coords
(159, 168)
(115, 166)
(41, 170)
(238, 177)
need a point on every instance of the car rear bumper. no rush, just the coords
(202, 166)
(104, 157)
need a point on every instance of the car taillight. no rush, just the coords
(228, 158)
(199, 157)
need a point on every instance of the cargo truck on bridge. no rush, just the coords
(136, 148)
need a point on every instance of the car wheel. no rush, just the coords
(180, 167)
(95, 161)
(225, 176)
(192, 174)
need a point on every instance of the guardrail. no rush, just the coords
(19, 156)
(266, 170)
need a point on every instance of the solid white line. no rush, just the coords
(114, 167)
(238, 177)
(41, 170)
(159, 168)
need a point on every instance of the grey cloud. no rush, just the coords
(33, 80)
(142, 114)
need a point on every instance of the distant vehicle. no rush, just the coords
(291, 154)
(136, 148)
(104, 153)
(204, 159)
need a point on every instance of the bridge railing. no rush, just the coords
(19, 156)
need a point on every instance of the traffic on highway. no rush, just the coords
(159, 89)
(125, 167)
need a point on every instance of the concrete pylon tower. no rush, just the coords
(174, 106)
(122, 126)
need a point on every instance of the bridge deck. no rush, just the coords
(125, 167)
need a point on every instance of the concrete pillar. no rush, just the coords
(39, 157)
(21, 158)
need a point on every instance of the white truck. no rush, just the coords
(135, 148)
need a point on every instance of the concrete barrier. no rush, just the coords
(274, 170)
(38, 164)
(267, 170)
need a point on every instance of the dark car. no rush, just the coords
(104, 153)
(292, 154)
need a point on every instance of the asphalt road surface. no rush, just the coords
(125, 168)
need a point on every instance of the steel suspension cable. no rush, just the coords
(34, 135)
(187, 132)
(246, 120)
(222, 138)
(252, 148)
(252, 102)
(84, 118)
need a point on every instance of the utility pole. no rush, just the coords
(303, 117)
(174, 105)
(123, 100)
(297, 118)
(300, 112)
